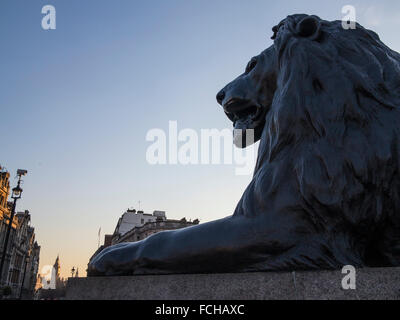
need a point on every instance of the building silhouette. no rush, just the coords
(22, 253)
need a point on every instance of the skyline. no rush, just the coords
(80, 99)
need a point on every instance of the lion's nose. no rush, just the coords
(220, 96)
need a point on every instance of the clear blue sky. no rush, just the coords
(77, 102)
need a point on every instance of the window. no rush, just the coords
(142, 221)
(18, 261)
(14, 276)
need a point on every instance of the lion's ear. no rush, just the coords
(309, 27)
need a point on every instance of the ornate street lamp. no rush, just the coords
(16, 194)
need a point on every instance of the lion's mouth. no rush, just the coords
(245, 115)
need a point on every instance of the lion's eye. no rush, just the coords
(251, 65)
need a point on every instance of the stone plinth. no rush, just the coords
(371, 283)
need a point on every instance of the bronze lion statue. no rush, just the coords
(325, 104)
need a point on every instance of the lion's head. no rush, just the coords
(325, 102)
(312, 60)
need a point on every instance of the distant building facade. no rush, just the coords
(4, 193)
(4, 219)
(135, 225)
(22, 254)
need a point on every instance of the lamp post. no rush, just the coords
(73, 271)
(16, 194)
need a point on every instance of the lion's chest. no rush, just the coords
(271, 190)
